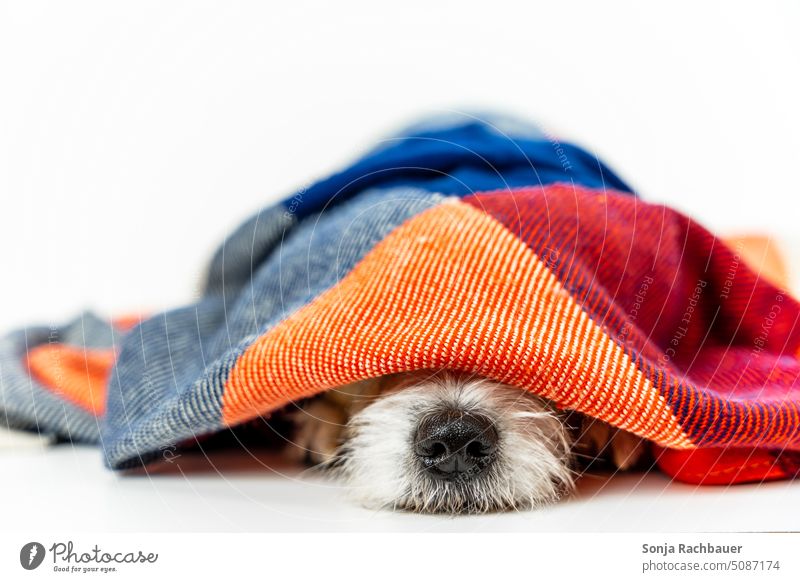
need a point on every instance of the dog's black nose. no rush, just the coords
(455, 445)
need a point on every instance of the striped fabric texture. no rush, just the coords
(482, 246)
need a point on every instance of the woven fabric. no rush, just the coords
(487, 247)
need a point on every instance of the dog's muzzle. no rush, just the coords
(454, 445)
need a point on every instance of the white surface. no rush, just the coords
(239, 492)
(133, 136)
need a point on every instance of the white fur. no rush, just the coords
(531, 467)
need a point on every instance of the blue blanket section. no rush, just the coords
(167, 384)
(467, 156)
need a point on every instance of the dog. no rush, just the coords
(447, 442)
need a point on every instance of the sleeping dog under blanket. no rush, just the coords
(453, 323)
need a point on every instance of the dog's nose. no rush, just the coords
(455, 445)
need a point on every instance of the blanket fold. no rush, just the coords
(483, 246)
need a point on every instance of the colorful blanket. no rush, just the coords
(483, 246)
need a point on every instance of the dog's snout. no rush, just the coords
(455, 444)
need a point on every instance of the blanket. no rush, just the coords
(481, 245)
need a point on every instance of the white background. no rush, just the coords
(135, 135)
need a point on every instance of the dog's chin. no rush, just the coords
(529, 468)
